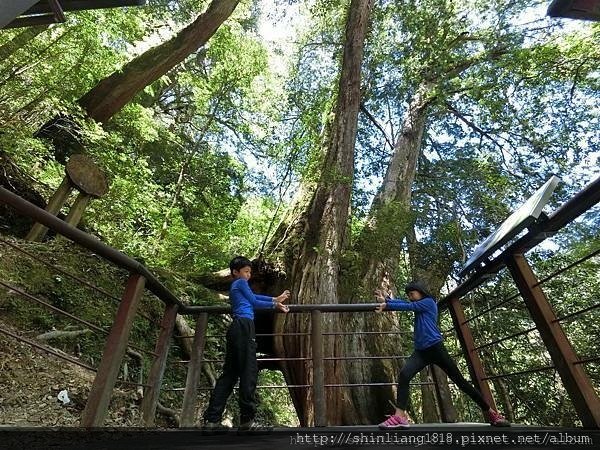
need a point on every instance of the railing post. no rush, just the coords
(193, 373)
(576, 382)
(114, 350)
(465, 338)
(157, 370)
(318, 386)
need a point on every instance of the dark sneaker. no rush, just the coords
(214, 427)
(254, 427)
(497, 420)
(394, 421)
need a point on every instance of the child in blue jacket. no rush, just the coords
(240, 352)
(429, 349)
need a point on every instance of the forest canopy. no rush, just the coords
(357, 138)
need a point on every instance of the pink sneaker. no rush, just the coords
(394, 421)
(497, 420)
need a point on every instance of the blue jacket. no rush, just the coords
(426, 331)
(244, 301)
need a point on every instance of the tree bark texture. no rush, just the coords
(313, 239)
(112, 93)
(379, 252)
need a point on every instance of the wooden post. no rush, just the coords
(81, 173)
(474, 363)
(193, 374)
(38, 231)
(155, 376)
(114, 350)
(576, 382)
(77, 209)
(316, 338)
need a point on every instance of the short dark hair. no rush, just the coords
(238, 263)
(417, 286)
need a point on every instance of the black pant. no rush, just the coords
(240, 362)
(438, 355)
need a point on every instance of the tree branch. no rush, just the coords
(374, 122)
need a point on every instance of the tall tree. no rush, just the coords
(19, 40)
(313, 237)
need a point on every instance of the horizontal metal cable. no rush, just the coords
(577, 313)
(132, 383)
(479, 314)
(62, 355)
(587, 360)
(258, 359)
(497, 341)
(376, 384)
(522, 372)
(73, 276)
(208, 388)
(564, 269)
(67, 314)
(53, 308)
(327, 358)
(191, 336)
(47, 349)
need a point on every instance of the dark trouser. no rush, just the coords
(438, 355)
(240, 362)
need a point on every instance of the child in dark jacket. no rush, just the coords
(240, 353)
(429, 349)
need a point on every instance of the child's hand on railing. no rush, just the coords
(281, 307)
(380, 307)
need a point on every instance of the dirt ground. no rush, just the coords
(30, 381)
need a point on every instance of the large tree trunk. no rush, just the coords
(446, 405)
(113, 92)
(313, 238)
(428, 404)
(379, 248)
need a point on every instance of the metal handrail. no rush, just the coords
(306, 386)
(73, 276)
(90, 242)
(338, 307)
(569, 211)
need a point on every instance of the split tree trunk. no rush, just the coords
(380, 250)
